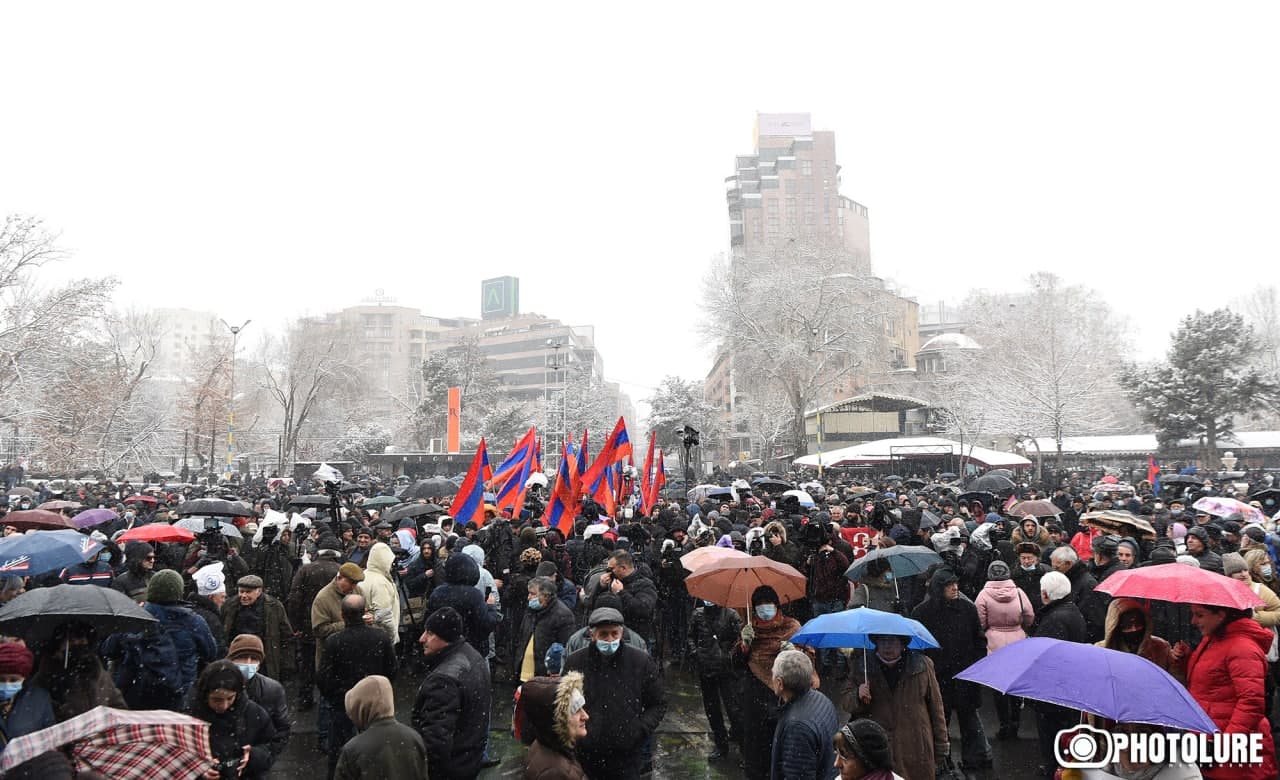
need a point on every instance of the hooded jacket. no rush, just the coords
(547, 703)
(459, 591)
(384, 598)
(955, 624)
(132, 582)
(1152, 648)
(385, 747)
(1005, 613)
(1226, 675)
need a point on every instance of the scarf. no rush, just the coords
(768, 643)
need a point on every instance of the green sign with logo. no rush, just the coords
(499, 298)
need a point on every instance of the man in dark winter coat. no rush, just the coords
(1059, 618)
(713, 633)
(272, 563)
(953, 620)
(1094, 607)
(802, 746)
(638, 594)
(308, 581)
(479, 615)
(1065, 561)
(139, 561)
(254, 612)
(246, 653)
(350, 655)
(1198, 547)
(546, 621)
(452, 709)
(1030, 570)
(625, 700)
(386, 748)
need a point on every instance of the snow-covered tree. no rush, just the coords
(801, 317)
(1209, 377)
(40, 324)
(1045, 367)
(487, 409)
(676, 403)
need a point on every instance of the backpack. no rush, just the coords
(152, 669)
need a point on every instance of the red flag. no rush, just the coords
(655, 485)
(646, 478)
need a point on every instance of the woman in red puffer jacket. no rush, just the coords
(1226, 675)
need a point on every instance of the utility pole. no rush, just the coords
(231, 400)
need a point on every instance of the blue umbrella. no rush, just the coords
(36, 553)
(1124, 687)
(855, 627)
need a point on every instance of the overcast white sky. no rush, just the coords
(268, 159)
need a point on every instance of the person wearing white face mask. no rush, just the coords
(246, 653)
(23, 708)
(765, 635)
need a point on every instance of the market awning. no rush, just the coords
(912, 448)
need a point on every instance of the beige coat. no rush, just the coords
(381, 592)
(911, 713)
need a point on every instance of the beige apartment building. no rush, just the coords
(788, 186)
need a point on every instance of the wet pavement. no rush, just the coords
(683, 738)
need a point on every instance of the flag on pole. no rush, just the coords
(646, 478)
(468, 505)
(561, 506)
(655, 484)
(616, 447)
(1153, 473)
(1010, 501)
(510, 476)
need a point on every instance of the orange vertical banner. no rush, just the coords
(453, 443)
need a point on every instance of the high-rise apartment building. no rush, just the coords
(788, 187)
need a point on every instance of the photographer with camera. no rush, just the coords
(240, 731)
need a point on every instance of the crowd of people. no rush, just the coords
(323, 609)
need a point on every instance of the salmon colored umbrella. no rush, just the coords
(1036, 508)
(55, 506)
(1181, 585)
(38, 519)
(157, 532)
(696, 559)
(730, 582)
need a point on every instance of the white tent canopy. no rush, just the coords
(912, 448)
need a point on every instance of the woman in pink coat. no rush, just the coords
(1005, 612)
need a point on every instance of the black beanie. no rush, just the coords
(445, 623)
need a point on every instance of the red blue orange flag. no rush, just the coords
(647, 477)
(562, 507)
(617, 447)
(655, 484)
(511, 475)
(1153, 473)
(468, 505)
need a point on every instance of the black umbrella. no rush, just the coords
(999, 473)
(771, 485)
(1181, 479)
(314, 499)
(37, 613)
(1269, 497)
(915, 482)
(434, 487)
(893, 478)
(948, 475)
(986, 499)
(992, 483)
(215, 507)
(352, 487)
(399, 513)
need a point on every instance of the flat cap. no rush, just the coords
(249, 581)
(606, 616)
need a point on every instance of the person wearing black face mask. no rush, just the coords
(1128, 629)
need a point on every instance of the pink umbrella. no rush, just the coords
(1181, 585)
(696, 559)
(1219, 506)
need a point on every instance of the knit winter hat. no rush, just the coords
(15, 658)
(246, 644)
(998, 570)
(165, 587)
(1232, 563)
(445, 623)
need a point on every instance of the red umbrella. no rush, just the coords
(1110, 480)
(1182, 585)
(157, 532)
(145, 499)
(730, 582)
(28, 519)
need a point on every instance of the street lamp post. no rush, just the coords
(231, 397)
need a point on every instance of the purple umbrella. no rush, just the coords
(91, 517)
(1121, 686)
